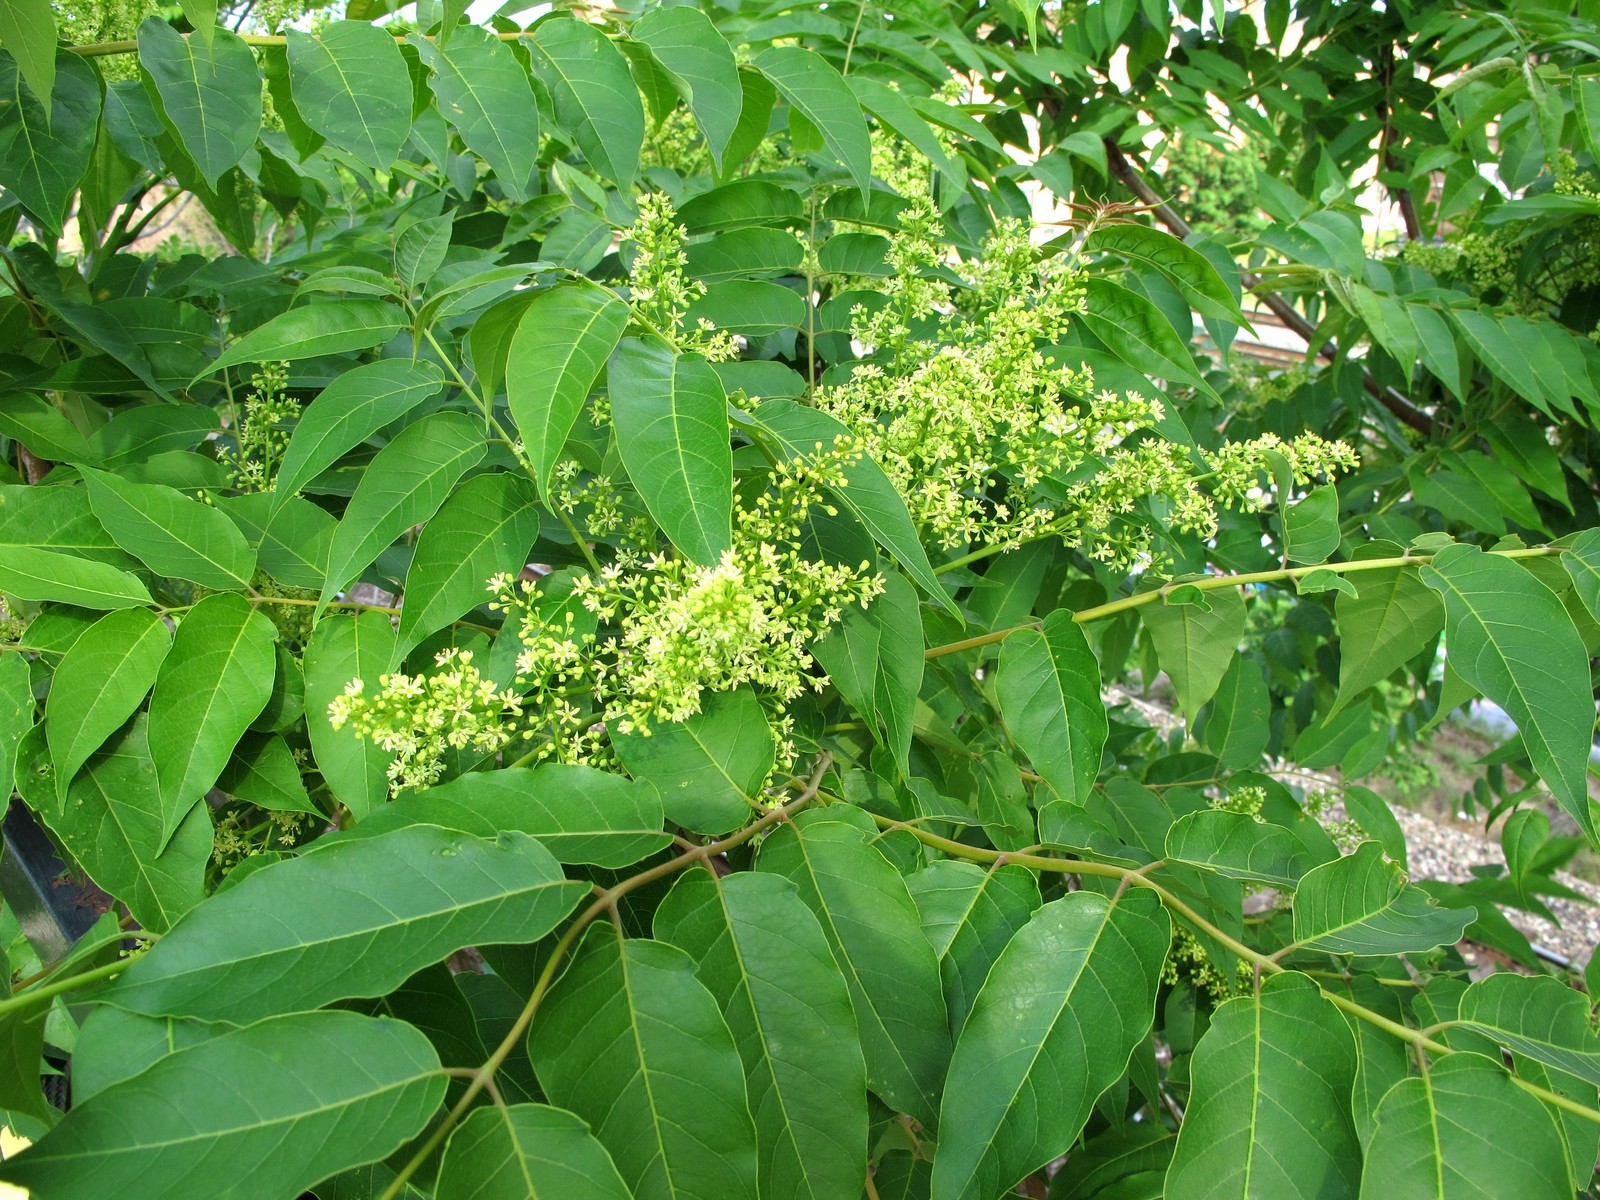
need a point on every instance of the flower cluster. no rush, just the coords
(659, 290)
(1246, 801)
(1188, 960)
(419, 717)
(990, 438)
(262, 434)
(678, 629)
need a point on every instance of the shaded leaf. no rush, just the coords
(214, 681)
(99, 684)
(633, 1043)
(874, 931)
(761, 953)
(526, 1152)
(1062, 1009)
(671, 418)
(1048, 688)
(326, 1091)
(356, 919)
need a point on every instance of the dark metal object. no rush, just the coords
(53, 915)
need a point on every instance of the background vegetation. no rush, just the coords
(580, 618)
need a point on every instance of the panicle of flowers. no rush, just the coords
(262, 435)
(644, 640)
(685, 629)
(420, 717)
(1246, 801)
(1239, 466)
(659, 290)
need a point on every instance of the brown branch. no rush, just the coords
(1392, 400)
(1386, 158)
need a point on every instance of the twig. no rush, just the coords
(1392, 400)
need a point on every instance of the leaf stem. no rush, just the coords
(48, 991)
(1138, 600)
(604, 901)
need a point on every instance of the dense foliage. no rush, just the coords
(774, 444)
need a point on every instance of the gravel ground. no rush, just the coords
(1449, 852)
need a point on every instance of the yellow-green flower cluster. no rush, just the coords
(991, 439)
(419, 717)
(1246, 801)
(262, 434)
(683, 629)
(1188, 960)
(1238, 467)
(659, 290)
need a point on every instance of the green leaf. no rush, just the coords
(1196, 647)
(1540, 1017)
(874, 656)
(1391, 621)
(1311, 526)
(33, 574)
(1438, 346)
(214, 681)
(1361, 904)
(708, 768)
(633, 1043)
(347, 86)
(210, 93)
(170, 533)
(1048, 688)
(526, 1151)
(356, 919)
(750, 307)
(356, 405)
(875, 934)
(579, 814)
(16, 710)
(671, 418)
(45, 149)
(284, 1104)
(43, 428)
(1444, 1134)
(111, 820)
(701, 65)
(485, 92)
(1238, 723)
(894, 112)
(596, 102)
(1582, 563)
(1371, 812)
(867, 492)
(1269, 1110)
(322, 327)
(54, 518)
(1511, 638)
(101, 681)
(264, 772)
(1240, 847)
(420, 249)
(404, 486)
(1186, 267)
(969, 915)
(1062, 1009)
(1135, 331)
(814, 88)
(562, 341)
(762, 955)
(28, 32)
(344, 648)
(485, 528)
(290, 535)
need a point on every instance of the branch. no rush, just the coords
(604, 901)
(1211, 583)
(1130, 876)
(1392, 400)
(1386, 159)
